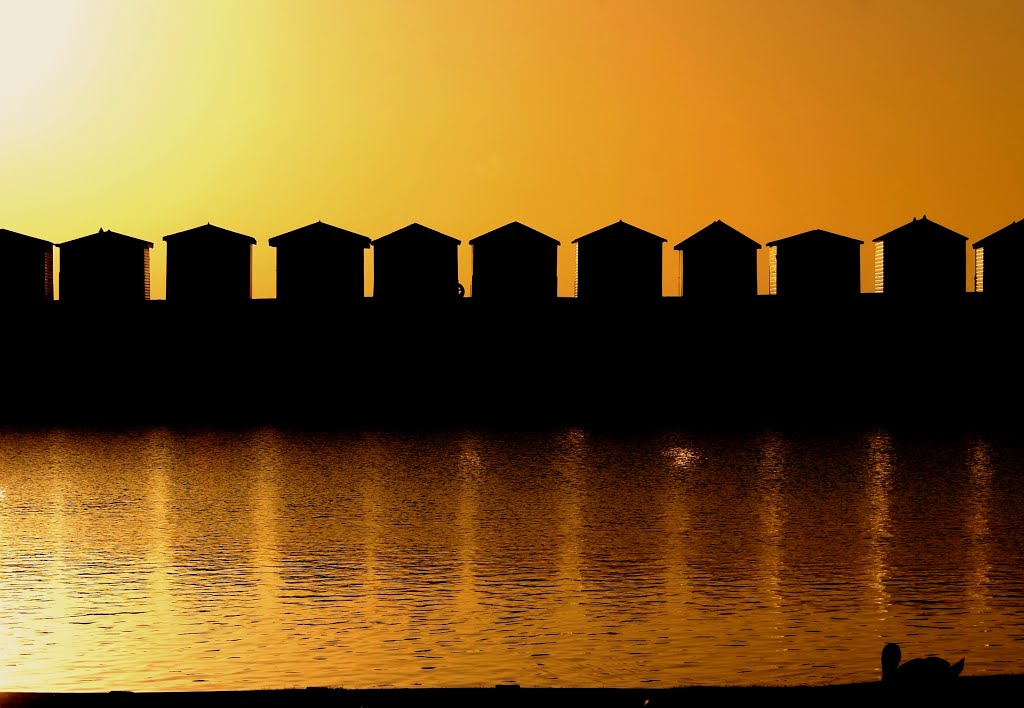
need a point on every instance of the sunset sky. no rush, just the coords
(148, 117)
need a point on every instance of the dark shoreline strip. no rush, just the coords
(966, 687)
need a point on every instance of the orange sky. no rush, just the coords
(153, 116)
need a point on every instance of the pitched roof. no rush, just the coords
(111, 236)
(813, 235)
(717, 230)
(208, 231)
(1013, 230)
(319, 232)
(8, 235)
(620, 229)
(513, 231)
(416, 231)
(921, 228)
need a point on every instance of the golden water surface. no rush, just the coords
(161, 559)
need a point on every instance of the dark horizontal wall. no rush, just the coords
(564, 363)
(817, 270)
(103, 272)
(320, 272)
(515, 272)
(915, 271)
(209, 271)
(26, 273)
(609, 270)
(415, 270)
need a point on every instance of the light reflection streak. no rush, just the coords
(684, 458)
(879, 488)
(264, 502)
(159, 557)
(771, 479)
(371, 494)
(570, 529)
(979, 506)
(470, 470)
(57, 606)
(677, 515)
(9, 636)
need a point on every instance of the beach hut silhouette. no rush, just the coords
(26, 269)
(999, 263)
(104, 267)
(718, 262)
(416, 264)
(814, 264)
(919, 260)
(515, 263)
(619, 262)
(320, 263)
(209, 265)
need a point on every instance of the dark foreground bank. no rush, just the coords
(967, 689)
(868, 361)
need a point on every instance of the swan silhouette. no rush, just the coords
(928, 670)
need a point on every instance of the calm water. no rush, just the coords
(162, 559)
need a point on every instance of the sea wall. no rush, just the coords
(672, 361)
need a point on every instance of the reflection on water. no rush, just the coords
(160, 559)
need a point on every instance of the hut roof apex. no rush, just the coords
(208, 230)
(418, 231)
(513, 230)
(319, 231)
(620, 229)
(717, 230)
(107, 235)
(923, 227)
(814, 235)
(1012, 231)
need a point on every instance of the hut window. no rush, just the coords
(48, 275)
(145, 272)
(576, 277)
(880, 267)
(773, 270)
(979, 270)
(681, 291)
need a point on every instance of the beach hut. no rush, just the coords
(320, 263)
(104, 267)
(999, 263)
(814, 264)
(619, 262)
(515, 263)
(919, 260)
(26, 269)
(718, 262)
(416, 264)
(209, 265)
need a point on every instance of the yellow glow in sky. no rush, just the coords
(153, 116)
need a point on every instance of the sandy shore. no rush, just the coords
(999, 688)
